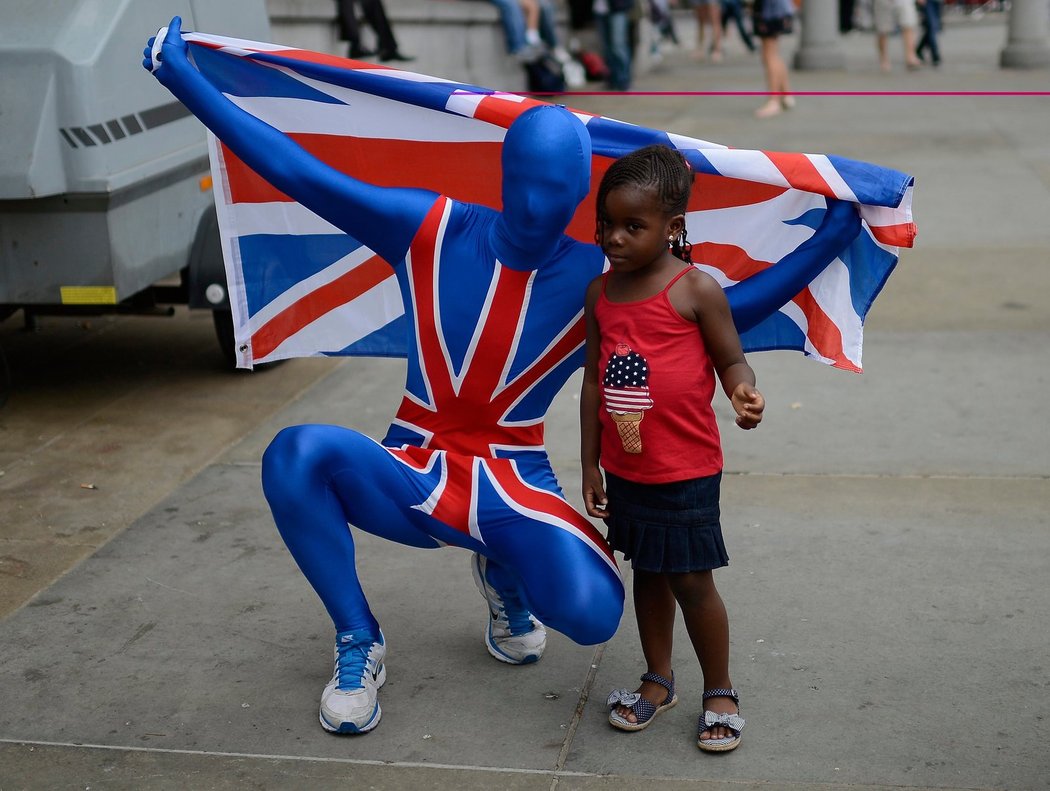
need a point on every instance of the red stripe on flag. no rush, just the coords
(464, 171)
(902, 235)
(306, 56)
(730, 259)
(502, 112)
(721, 192)
(823, 333)
(800, 172)
(312, 306)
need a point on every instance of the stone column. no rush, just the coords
(819, 39)
(1026, 41)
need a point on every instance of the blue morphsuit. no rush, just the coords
(493, 301)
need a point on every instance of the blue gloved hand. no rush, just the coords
(171, 46)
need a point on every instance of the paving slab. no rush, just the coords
(853, 599)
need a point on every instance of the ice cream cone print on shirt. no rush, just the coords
(625, 388)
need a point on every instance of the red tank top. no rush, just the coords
(656, 383)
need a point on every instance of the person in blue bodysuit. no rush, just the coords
(494, 304)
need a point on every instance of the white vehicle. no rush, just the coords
(105, 187)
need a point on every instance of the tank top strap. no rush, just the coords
(605, 280)
(676, 278)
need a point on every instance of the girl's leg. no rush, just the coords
(654, 608)
(708, 626)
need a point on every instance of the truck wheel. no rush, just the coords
(227, 343)
(224, 332)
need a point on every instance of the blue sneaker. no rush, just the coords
(512, 635)
(350, 702)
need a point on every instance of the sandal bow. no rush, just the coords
(644, 710)
(618, 696)
(711, 719)
(732, 721)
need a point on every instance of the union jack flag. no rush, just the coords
(397, 128)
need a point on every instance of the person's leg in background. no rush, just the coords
(713, 14)
(375, 15)
(512, 19)
(732, 11)
(350, 30)
(614, 29)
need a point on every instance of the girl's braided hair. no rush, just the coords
(658, 168)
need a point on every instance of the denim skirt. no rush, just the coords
(666, 527)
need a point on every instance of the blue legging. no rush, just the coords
(347, 477)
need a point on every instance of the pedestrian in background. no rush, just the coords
(528, 28)
(889, 15)
(708, 15)
(613, 20)
(931, 26)
(771, 19)
(375, 15)
(733, 11)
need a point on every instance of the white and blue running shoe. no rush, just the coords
(350, 702)
(512, 634)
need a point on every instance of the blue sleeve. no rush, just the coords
(383, 218)
(761, 295)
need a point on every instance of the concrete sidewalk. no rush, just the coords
(888, 532)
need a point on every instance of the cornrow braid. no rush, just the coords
(658, 168)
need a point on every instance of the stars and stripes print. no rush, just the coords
(301, 287)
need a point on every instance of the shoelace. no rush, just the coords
(509, 608)
(516, 614)
(351, 663)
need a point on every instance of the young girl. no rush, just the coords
(658, 331)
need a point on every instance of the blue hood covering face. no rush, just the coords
(546, 173)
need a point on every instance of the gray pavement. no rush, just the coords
(888, 532)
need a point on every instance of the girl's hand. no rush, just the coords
(594, 494)
(166, 46)
(748, 404)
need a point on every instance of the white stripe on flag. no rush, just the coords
(686, 143)
(830, 174)
(759, 229)
(235, 46)
(831, 292)
(345, 324)
(877, 216)
(277, 217)
(743, 164)
(466, 103)
(366, 116)
(310, 284)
